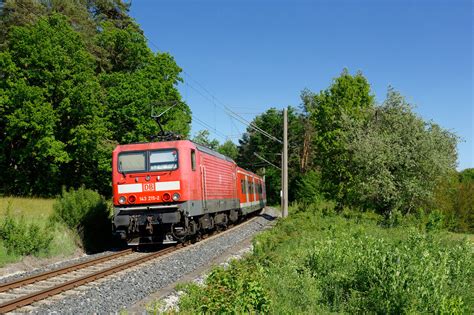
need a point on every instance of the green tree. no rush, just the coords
(76, 78)
(52, 109)
(466, 175)
(135, 80)
(397, 159)
(18, 13)
(254, 142)
(454, 198)
(229, 149)
(202, 137)
(347, 97)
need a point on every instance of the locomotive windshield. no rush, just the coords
(132, 162)
(163, 160)
(152, 161)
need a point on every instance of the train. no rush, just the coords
(172, 191)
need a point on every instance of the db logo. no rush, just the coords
(149, 187)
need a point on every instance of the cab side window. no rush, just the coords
(193, 160)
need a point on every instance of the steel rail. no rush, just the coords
(71, 284)
(43, 294)
(53, 273)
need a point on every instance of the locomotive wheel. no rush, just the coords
(198, 237)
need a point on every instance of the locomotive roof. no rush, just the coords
(212, 152)
(198, 146)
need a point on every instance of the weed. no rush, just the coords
(316, 261)
(22, 238)
(237, 289)
(86, 212)
(366, 274)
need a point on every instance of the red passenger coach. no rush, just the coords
(166, 192)
(251, 191)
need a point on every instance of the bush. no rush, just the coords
(308, 188)
(22, 238)
(361, 274)
(236, 290)
(454, 197)
(316, 262)
(435, 221)
(86, 212)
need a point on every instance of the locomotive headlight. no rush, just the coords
(122, 200)
(176, 196)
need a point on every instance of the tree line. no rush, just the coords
(343, 146)
(76, 79)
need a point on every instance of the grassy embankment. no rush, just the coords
(35, 211)
(319, 262)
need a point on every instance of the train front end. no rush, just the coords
(148, 192)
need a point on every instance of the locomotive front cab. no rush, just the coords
(147, 177)
(149, 199)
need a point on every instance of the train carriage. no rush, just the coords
(167, 192)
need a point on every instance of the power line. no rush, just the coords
(263, 159)
(206, 125)
(230, 111)
(211, 101)
(225, 107)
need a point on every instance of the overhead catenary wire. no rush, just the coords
(226, 108)
(238, 117)
(263, 159)
(206, 125)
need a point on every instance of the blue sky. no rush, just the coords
(253, 55)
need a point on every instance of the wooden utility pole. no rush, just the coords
(284, 205)
(282, 162)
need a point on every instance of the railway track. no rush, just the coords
(28, 290)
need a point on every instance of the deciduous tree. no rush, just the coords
(202, 137)
(348, 96)
(52, 109)
(229, 149)
(397, 159)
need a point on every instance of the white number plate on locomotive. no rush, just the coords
(149, 198)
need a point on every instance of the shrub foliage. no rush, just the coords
(24, 238)
(236, 289)
(359, 273)
(319, 262)
(86, 212)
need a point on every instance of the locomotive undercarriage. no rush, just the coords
(167, 225)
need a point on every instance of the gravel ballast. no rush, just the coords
(52, 266)
(127, 288)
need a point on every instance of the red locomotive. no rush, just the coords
(167, 192)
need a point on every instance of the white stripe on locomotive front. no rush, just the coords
(138, 188)
(162, 186)
(129, 188)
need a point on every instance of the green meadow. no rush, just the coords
(318, 261)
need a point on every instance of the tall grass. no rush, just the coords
(25, 229)
(22, 238)
(317, 261)
(32, 209)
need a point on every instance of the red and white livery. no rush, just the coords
(166, 192)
